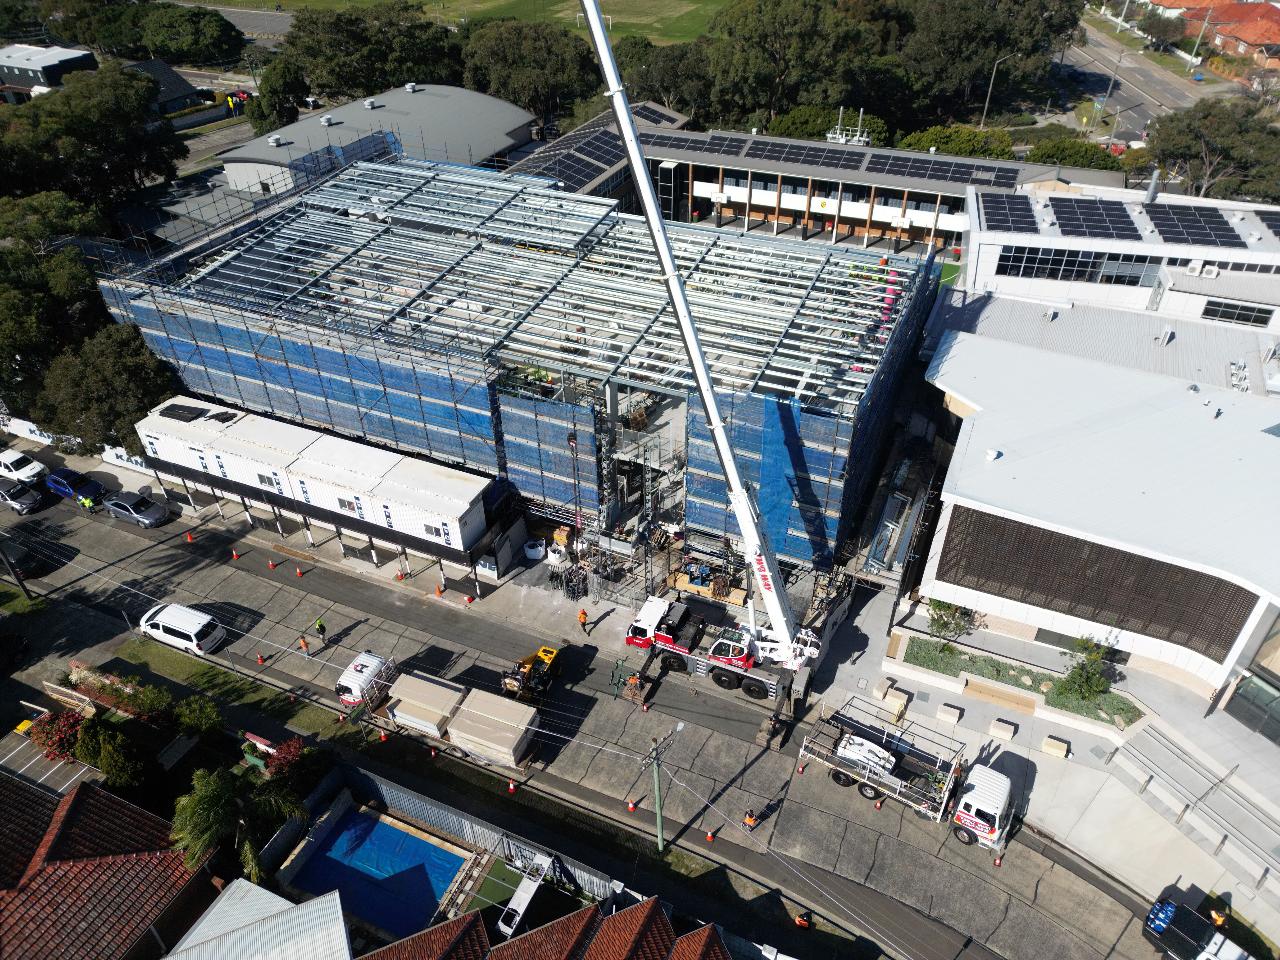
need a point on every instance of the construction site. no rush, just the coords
(490, 322)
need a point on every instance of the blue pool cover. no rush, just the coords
(386, 876)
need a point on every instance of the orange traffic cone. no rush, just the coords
(511, 786)
(272, 564)
(433, 753)
(297, 571)
(261, 659)
(439, 590)
(710, 836)
(802, 921)
(631, 806)
(234, 555)
(382, 736)
(399, 574)
(190, 538)
(800, 769)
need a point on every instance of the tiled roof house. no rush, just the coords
(89, 876)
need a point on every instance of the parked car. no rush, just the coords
(72, 485)
(136, 508)
(16, 465)
(19, 497)
(183, 627)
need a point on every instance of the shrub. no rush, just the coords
(949, 621)
(1090, 675)
(148, 703)
(118, 761)
(89, 743)
(56, 734)
(197, 715)
(286, 756)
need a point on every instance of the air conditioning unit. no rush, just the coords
(1194, 267)
(1210, 271)
(370, 104)
(326, 120)
(410, 87)
(274, 140)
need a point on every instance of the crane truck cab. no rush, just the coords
(983, 809)
(666, 623)
(1182, 934)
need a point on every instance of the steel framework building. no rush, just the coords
(491, 321)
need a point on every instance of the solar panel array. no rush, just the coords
(575, 171)
(1085, 217)
(814, 156)
(1008, 212)
(1183, 223)
(652, 114)
(716, 143)
(955, 171)
(604, 147)
(1270, 219)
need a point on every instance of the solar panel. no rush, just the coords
(810, 155)
(575, 171)
(604, 147)
(1183, 223)
(1008, 213)
(954, 171)
(716, 143)
(1086, 217)
(1270, 219)
(652, 114)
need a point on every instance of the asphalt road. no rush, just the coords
(264, 27)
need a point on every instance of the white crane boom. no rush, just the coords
(755, 547)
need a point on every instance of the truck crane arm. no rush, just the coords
(784, 645)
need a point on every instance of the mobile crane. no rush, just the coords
(782, 643)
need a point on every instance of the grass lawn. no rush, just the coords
(194, 132)
(663, 21)
(943, 658)
(498, 886)
(227, 687)
(13, 602)
(950, 272)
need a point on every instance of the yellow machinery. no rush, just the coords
(531, 677)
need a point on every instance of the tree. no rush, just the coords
(197, 715)
(1090, 674)
(675, 75)
(42, 219)
(111, 752)
(1071, 152)
(1161, 29)
(1136, 162)
(539, 66)
(286, 757)
(96, 141)
(16, 16)
(773, 54)
(97, 393)
(1221, 147)
(190, 34)
(281, 90)
(358, 52)
(962, 141)
(225, 808)
(812, 123)
(950, 621)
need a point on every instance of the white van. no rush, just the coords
(366, 681)
(184, 628)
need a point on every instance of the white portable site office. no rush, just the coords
(342, 477)
(424, 703)
(493, 728)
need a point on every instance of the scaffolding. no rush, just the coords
(489, 320)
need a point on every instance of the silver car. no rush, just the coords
(20, 497)
(136, 508)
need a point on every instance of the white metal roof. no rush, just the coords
(37, 58)
(1156, 465)
(347, 463)
(412, 479)
(314, 930)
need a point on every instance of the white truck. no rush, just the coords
(863, 745)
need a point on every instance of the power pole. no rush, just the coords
(654, 760)
(1123, 13)
(1196, 49)
(17, 576)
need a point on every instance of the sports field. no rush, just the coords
(663, 21)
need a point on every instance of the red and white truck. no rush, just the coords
(864, 746)
(733, 658)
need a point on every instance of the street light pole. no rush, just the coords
(1196, 49)
(654, 760)
(983, 124)
(1111, 85)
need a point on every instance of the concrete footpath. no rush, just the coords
(880, 871)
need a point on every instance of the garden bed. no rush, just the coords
(951, 660)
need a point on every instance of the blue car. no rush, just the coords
(72, 485)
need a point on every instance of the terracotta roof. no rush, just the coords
(702, 944)
(101, 872)
(561, 939)
(1257, 24)
(642, 932)
(27, 813)
(463, 938)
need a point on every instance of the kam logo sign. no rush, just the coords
(762, 573)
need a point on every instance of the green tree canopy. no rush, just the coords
(539, 66)
(1221, 147)
(813, 122)
(366, 50)
(676, 75)
(98, 392)
(1161, 29)
(223, 808)
(282, 87)
(962, 141)
(96, 141)
(1071, 152)
(190, 34)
